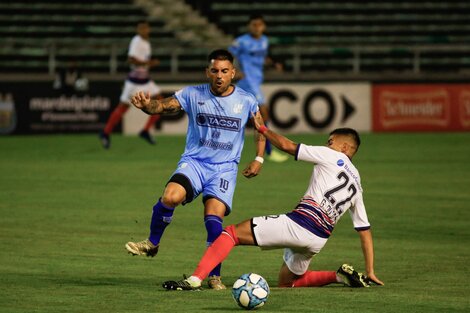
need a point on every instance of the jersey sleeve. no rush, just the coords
(254, 105)
(359, 215)
(182, 96)
(313, 154)
(235, 48)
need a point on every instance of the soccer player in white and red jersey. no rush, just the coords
(138, 79)
(334, 188)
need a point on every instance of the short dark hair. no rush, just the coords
(348, 132)
(220, 54)
(256, 17)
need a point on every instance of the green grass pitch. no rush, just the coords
(68, 207)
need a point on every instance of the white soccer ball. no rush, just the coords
(250, 291)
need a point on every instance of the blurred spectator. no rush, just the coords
(70, 79)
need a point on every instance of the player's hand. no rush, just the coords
(371, 278)
(252, 169)
(141, 100)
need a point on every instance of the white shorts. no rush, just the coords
(130, 89)
(279, 231)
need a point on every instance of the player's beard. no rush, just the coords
(220, 87)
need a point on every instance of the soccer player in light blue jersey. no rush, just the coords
(251, 50)
(218, 113)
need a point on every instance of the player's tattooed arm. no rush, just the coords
(258, 136)
(166, 105)
(151, 106)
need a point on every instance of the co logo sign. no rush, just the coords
(308, 102)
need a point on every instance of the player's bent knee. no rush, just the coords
(230, 230)
(244, 233)
(285, 284)
(285, 281)
(173, 195)
(172, 199)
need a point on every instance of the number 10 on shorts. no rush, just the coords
(223, 185)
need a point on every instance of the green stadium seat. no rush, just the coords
(350, 24)
(326, 32)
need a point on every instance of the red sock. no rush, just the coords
(217, 252)
(315, 279)
(115, 118)
(151, 121)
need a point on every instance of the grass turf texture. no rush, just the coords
(68, 206)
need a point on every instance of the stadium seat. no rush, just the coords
(338, 36)
(391, 25)
(74, 31)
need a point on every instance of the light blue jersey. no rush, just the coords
(214, 141)
(216, 129)
(251, 54)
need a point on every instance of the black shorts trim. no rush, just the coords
(362, 228)
(184, 181)
(253, 225)
(227, 208)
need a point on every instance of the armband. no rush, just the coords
(259, 159)
(262, 129)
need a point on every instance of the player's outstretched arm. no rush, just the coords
(150, 106)
(279, 141)
(368, 251)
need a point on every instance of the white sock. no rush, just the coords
(339, 279)
(195, 280)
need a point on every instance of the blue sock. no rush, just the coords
(161, 217)
(214, 228)
(268, 148)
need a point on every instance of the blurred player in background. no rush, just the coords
(335, 187)
(251, 50)
(140, 59)
(218, 113)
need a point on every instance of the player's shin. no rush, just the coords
(315, 279)
(214, 228)
(151, 121)
(161, 218)
(217, 252)
(115, 117)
